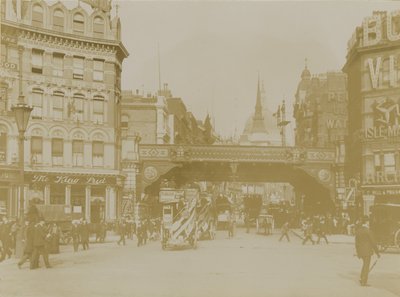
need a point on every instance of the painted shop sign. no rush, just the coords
(383, 191)
(72, 180)
(8, 176)
(382, 178)
(382, 132)
(376, 29)
(386, 120)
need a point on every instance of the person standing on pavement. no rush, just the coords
(75, 234)
(84, 234)
(122, 232)
(321, 230)
(139, 234)
(40, 236)
(285, 232)
(230, 226)
(308, 232)
(28, 233)
(6, 238)
(365, 248)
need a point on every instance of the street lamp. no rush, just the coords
(22, 113)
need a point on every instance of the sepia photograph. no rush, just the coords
(199, 148)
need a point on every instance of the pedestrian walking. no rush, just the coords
(231, 225)
(55, 233)
(321, 231)
(285, 232)
(308, 232)
(139, 234)
(75, 234)
(28, 235)
(365, 248)
(40, 236)
(5, 238)
(84, 235)
(122, 232)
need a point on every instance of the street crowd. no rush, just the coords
(40, 238)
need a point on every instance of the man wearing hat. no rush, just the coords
(365, 248)
(40, 236)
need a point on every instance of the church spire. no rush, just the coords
(258, 119)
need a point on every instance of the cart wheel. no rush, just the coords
(397, 238)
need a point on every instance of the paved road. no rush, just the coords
(247, 265)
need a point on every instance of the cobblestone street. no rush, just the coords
(247, 265)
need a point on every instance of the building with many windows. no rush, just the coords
(320, 111)
(70, 62)
(154, 119)
(373, 70)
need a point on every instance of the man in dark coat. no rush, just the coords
(40, 235)
(6, 238)
(28, 232)
(285, 231)
(122, 232)
(75, 235)
(84, 234)
(365, 248)
(308, 232)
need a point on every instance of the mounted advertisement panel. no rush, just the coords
(171, 196)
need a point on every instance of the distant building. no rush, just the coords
(373, 145)
(261, 130)
(154, 119)
(70, 62)
(261, 127)
(320, 111)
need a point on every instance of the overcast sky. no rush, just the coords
(211, 52)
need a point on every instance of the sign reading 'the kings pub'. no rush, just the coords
(72, 180)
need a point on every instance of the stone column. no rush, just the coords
(47, 194)
(112, 203)
(68, 195)
(87, 203)
(107, 204)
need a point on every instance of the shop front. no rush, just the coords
(92, 197)
(9, 180)
(380, 194)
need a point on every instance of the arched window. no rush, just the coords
(37, 15)
(77, 152)
(98, 153)
(58, 105)
(78, 23)
(37, 103)
(98, 109)
(58, 20)
(76, 106)
(57, 151)
(98, 27)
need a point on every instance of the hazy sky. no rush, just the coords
(211, 52)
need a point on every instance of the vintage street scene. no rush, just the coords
(189, 148)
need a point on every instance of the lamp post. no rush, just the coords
(281, 121)
(22, 113)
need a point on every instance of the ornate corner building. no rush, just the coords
(66, 62)
(320, 111)
(373, 69)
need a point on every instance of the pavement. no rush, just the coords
(246, 265)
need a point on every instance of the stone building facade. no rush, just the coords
(70, 62)
(320, 111)
(373, 69)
